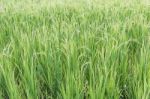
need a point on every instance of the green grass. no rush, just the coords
(65, 49)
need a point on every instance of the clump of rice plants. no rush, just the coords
(81, 49)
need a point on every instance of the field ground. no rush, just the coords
(81, 49)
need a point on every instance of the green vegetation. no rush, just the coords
(81, 49)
